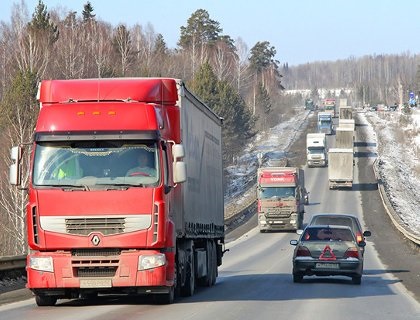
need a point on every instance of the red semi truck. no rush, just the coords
(281, 197)
(94, 225)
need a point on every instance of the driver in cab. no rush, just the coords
(144, 167)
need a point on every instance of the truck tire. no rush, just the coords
(45, 301)
(206, 281)
(214, 263)
(187, 290)
(166, 298)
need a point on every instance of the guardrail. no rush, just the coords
(395, 218)
(12, 262)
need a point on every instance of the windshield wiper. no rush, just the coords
(71, 187)
(120, 186)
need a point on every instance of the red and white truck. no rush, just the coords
(281, 197)
(329, 105)
(95, 229)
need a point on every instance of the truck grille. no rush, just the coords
(105, 224)
(277, 213)
(89, 263)
(84, 226)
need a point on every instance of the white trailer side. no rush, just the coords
(344, 138)
(340, 168)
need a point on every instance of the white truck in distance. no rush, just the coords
(316, 150)
(340, 168)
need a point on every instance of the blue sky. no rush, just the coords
(300, 30)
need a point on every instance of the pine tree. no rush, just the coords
(41, 25)
(87, 12)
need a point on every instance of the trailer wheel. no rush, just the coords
(188, 288)
(214, 263)
(45, 301)
(207, 280)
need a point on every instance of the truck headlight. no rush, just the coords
(41, 263)
(151, 261)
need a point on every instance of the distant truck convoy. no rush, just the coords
(325, 123)
(344, 138)
(281, 197)
(97, 227)
(340, 168)
(316, 150)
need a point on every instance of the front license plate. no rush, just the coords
(326, 265)
(95, 283)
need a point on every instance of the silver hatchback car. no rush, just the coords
(324, 250)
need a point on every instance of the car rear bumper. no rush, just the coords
(324, 268)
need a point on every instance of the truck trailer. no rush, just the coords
(281, 198)
(347, 123)
(97, 227)
(344, 138)
(316, 150)
(340, 168)
(345, 112)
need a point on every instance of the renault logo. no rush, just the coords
(95, 240)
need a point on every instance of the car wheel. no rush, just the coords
(297, 278)
(356, 279)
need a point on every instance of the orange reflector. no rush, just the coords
(80, 113)
(112, 113)
(96, 113)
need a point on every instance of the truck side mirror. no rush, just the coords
(178, 151)
(179, 166)
(14, 175)
(180, 172)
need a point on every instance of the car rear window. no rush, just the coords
(327, 234)
(333, 221)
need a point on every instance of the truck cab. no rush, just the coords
(325, 123)
(281, 197)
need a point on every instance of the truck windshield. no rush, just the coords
(275, 192)
(315, 150)
(97, 164)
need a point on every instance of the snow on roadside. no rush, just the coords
(398, 146)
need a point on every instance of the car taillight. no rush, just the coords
(359, 237)
(303, 252)
(352, 253)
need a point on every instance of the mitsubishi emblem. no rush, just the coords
(95, 240)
